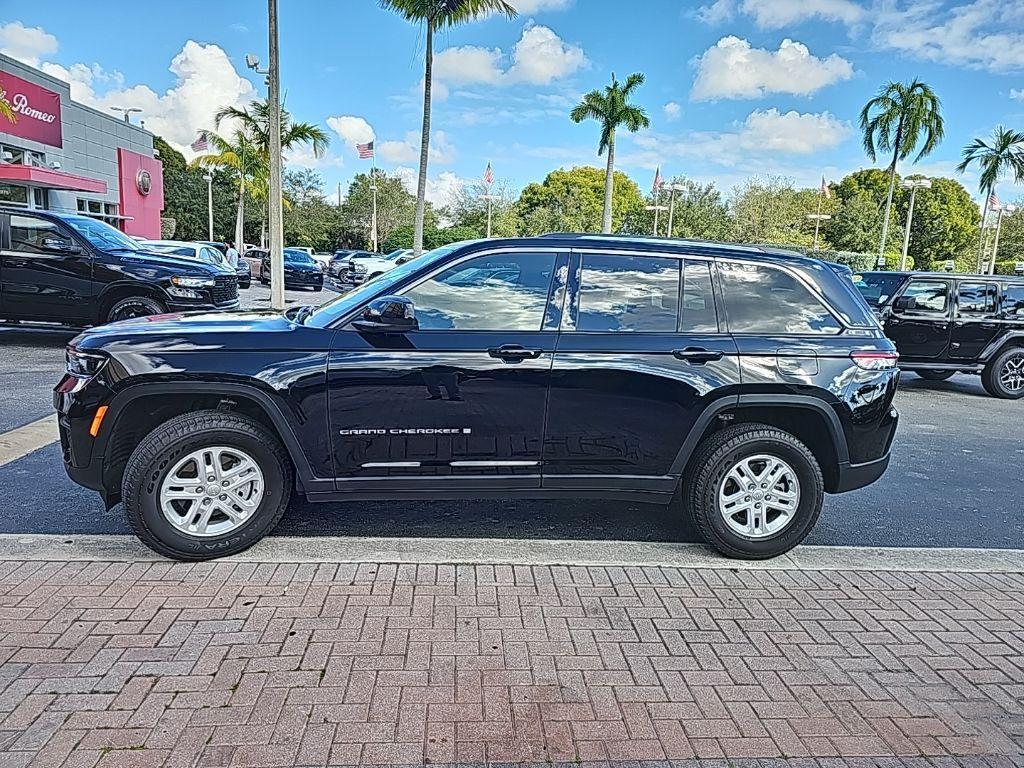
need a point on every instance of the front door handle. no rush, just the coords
(513, 353)
(698, 355)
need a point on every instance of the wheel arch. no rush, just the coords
(114, 292)
(1000, 345)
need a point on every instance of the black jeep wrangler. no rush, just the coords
(944, 323)
(76, 270)
(562, 366)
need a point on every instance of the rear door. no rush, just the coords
(639, 359)
(922, 333)
(976, 320)
(42, 279)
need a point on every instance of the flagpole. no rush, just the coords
(657, 208)
(817, 219)
(488, 213)
(373, 188)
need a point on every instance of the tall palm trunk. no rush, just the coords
(421, 183)
(609, 183)
(888, 199)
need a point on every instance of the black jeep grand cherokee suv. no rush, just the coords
(943, 323)
(77, 270)
(561, 366)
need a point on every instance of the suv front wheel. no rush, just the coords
(754, 491)
(207, 484)
(1003, 377)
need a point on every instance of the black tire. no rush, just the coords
(154, 457)
(707, 470)
(935, 375)
(134, 306)
(991, 377)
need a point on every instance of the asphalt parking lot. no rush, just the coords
(955, 479)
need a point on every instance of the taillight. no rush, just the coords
(875, 361)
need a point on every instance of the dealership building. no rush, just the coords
(59, 155)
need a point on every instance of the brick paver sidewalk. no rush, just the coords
(226, 664)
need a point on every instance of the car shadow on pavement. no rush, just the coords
(960, 384)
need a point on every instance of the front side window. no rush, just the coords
(32, 235)
(498, 292)
(628, 294)
(977, 298)
(1013, 302)
(767, 301)
(930, 295)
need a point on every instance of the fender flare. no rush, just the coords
(995, 347)
(129, 287)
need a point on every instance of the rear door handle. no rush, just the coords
(698, 355)
(513, 353)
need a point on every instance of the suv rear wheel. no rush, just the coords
(754, 491)
(1003, 377)
(206, 484)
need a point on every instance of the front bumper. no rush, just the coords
(76, 401)
(304, 280)
(186, 305)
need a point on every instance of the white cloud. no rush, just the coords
(26, 44)
(303, 157)
(732, 69)
(718, 12)
(775, 14)
(526, 7)
(441, 189)
(1017, 93)
(538, 58)
(408, 151)
(792, 132)
(672, 111)
(352, 129)
(984, 34)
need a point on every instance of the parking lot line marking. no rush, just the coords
(23, 440)
(342, 549)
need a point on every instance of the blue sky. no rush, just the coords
(734, 88)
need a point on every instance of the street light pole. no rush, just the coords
(999, 225)
(913, 185)
(490, 208)
(671, 207)
(276, 215)
(209, 201)
(817, 218)
(373, 213)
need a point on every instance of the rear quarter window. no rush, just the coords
(765, 300)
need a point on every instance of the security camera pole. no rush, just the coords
(276, 217)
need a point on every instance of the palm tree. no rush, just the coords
(252, 139)
(612, 109)
(434, 15)
(895, 121)
(994, 159)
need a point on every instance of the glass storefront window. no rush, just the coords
(13, 194)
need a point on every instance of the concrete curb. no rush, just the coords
(337, 549)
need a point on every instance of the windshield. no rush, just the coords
(379, 286)
(877, 288)
(101, 235)
(297, 257)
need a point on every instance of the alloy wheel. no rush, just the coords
(759, 496)
(1012, 374)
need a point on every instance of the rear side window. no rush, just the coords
(698, 311)
(931, 295)
(1013, 301)
(977, 298)
(766, 301)
(629, 294)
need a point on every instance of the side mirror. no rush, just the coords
(904, 303)
(59, 245)
(388, 314)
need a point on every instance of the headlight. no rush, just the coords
(83, 365)
(359, 267)
(192, 282)
(185, 293)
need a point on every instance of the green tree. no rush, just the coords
(309, 219)
(1003, 154)
(899, 118)
(611, 108)
(185, 197)
(468, 208)
(434, 15)
(573, 201)
(857, 223)
(1011, 238)
(771, 210)
(945, 224)
(700, 212)
(395, 207)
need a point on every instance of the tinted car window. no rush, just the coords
(931, 295)
(629, 293)
(877, 289)
(977, 297)
(498, 292)
(698, 310)
(28, 234)
(1013, 301)
(768, 301)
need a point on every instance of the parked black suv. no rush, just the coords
(562, 366)
(944, 323)
(300, 270)
(81, 271)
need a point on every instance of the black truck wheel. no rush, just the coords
(754, 491)
(206, 484)
(134, 306)
(1003, 377)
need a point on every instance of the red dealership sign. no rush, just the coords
(29, 111)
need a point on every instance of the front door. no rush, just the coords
(639, 359)
(922, 333)
(40, 278)
(460, 403)
(976, 320)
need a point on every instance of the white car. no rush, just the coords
(200, 251)
(363, 268)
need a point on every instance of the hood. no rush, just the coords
(198, 331)
(300, 267)
(156, 259)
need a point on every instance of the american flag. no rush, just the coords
(657, 180)
(201, 144)
(993, 201)
(825, 191)
(365, 150)
(488, 175)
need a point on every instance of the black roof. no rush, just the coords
(947, 275)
